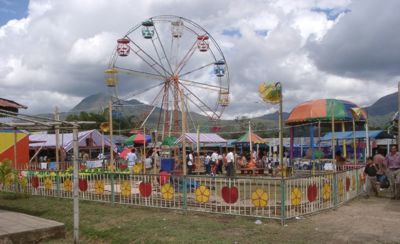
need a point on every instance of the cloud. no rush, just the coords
(58, 53)
(363, 44)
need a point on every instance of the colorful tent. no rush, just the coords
(137, 139)
(322, 110)
(255, 139)
(169, 141)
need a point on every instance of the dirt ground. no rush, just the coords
(372, 220)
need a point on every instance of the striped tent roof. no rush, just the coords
(204, 138)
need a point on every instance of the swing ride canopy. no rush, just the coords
(322, 110)
(255, 139)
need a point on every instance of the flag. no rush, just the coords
(356, 113)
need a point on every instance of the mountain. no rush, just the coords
(274, 116)
(99, 102)
(385, 105)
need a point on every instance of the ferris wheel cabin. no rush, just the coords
(223, 98)
(123, 47)
(219, 68)
(177, 28)
(202, 43)
(148, 29)
(111, 77)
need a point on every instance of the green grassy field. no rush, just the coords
(103, 223)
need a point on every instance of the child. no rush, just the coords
(370, 177)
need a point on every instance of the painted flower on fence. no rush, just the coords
(295, 196)
(167, 191)
(312, 192)
(360, 182)
(67, 185)
(326, 191)
(202, 194)
(48, 183)
(99, 186)
(353, 182)
(23, 182)
(137, 168)
(259, 198)
(126, 188)
(9, 180)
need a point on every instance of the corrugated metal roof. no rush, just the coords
(204, 138)
(10, 104)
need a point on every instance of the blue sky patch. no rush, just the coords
(331, 13)
(262, 32)
(232, 32)
(12, 9)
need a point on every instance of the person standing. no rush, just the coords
(370, 177)
(392, 162)
(230, 160)
(220, 163)
(132, 158)
(190, 160)
(379, 161)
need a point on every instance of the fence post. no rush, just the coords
(357, 181)
(184, 193)
(112, 188)
(58, 184)
(283, 201)
(334, 189)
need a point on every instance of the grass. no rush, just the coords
(103, 223)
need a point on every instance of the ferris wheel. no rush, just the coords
(174, 65)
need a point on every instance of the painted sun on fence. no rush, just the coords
(48, 183)
(167, 191)
(259, 198)
(99, 186)
(202, 194)
(295, 196)
(326, 191)
(67, 185)
(126, 188)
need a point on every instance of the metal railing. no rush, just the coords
(257, 196)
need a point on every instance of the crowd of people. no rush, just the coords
(383, 172)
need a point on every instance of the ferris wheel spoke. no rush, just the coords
(190, 114)
(154, 103)
(141, 73)
(186, 58)
(151, 62)
(198, 69)
(162, 48)
(200, 104)
(141, 91)
(202, 85)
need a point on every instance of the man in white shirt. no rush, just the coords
(132, 158)
(207, 164)
(190, 161)
(230, 160)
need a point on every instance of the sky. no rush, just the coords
(53, 53)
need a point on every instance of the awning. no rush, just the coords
(348, 135)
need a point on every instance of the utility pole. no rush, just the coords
(76, 183)
(183, 111)
(57, 134)
(111, 133)
(398, 113)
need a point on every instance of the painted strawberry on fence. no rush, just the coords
(35, 182)
(230, 194)
(312, 192)
(145, 189)
(83, 185)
